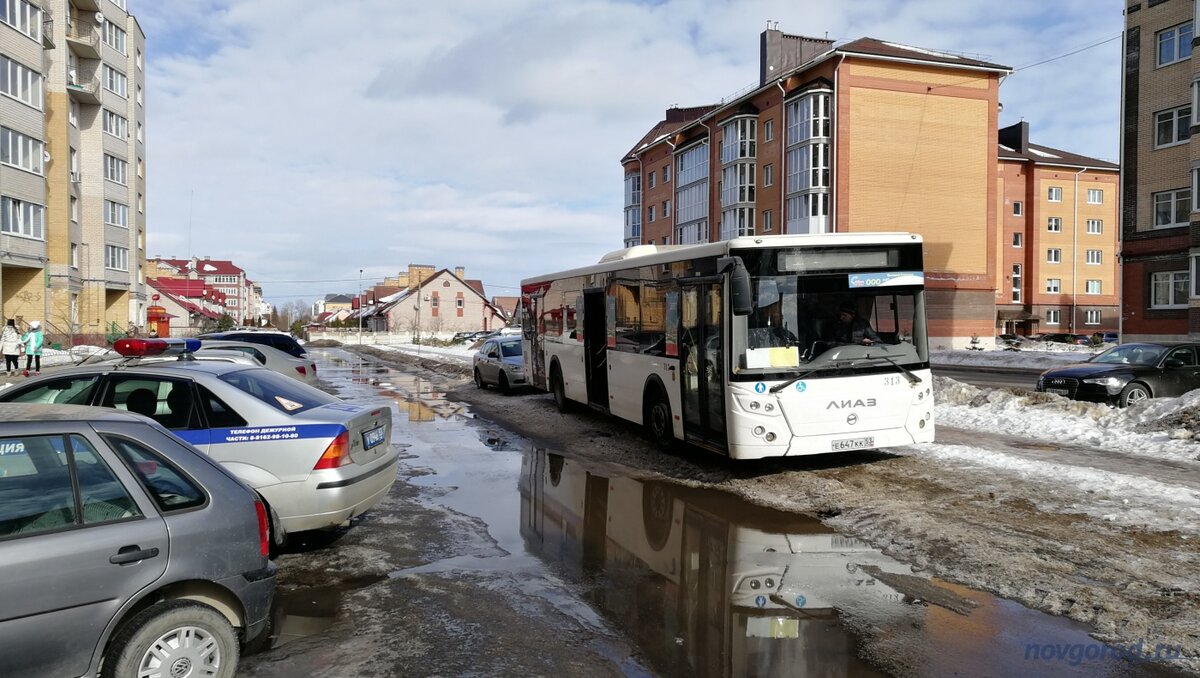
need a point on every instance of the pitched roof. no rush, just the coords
(205, 266)
(676, 118)
(337, 298)
(1044, 155)
(883, 48)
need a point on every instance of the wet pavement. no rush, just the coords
(658, 578)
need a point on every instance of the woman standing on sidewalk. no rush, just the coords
(33, 347)
(10, 346)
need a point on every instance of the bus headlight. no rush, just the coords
(765, 405)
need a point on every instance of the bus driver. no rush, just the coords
(851, 329)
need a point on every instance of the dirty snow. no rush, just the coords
(459, 354)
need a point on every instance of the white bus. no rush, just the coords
(752, 347)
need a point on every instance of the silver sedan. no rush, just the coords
(500, 361)
(301, 369)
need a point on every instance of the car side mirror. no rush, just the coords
(1173, 363)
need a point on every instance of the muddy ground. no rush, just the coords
(1003, 534)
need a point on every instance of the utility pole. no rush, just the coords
(360, 307)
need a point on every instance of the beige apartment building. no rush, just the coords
(72, 175)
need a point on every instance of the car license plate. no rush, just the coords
(373, 437)
(854, 443)
(1058, 391)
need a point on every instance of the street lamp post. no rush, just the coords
(360, 307)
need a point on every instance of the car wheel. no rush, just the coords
(1134, 393)
(479, 379)
(559, 391)
(502, 383)
(657, 420)
(178, 638)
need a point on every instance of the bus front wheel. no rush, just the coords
(658, 420)
(559, 392)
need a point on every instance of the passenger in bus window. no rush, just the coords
(768, 329)
(851, 329)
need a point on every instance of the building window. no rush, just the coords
(73, 113)
(1091, 317)
(652, 181)
(140, 168)
(1018, 208)
(1172, 208)
(1054, 224)
(1196, 275)
(633, 209)
(74, 255)
(114, 37)
(141, 203)
(650, 213)
(737, 222)
(21, 151)
(1053, 285)
(20, 83)
(1052, 316)
(1016, 239)
(1091, 287)
(1169, 289)
(138, 60)
(1054, 255)
(666, 208)
(737, 183)
(23, 16)
(1175, 44)
(116, 125)
(666, 174)
(139, 132)
(1171, 127)
(1016, 283)
(691, 195)
(115, 81)
(739, 139)
(26, 219)
(1093, 256)
(116, 258)
(74, 208)
(116, 169)
(769, 130)
(768, 175)
(116, 214)
(1095, 226)
(1095, 196)
(119, 3)
(1054, 194)
(459, 302)
(139, 94)
(766, 221)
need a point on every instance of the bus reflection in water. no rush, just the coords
(704, 584)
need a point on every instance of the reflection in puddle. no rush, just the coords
(708, 585)
(308, 611)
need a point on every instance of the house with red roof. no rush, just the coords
(241, 301)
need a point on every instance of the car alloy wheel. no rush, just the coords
(479, 379)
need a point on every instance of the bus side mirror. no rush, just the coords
(739, 284)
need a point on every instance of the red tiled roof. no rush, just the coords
(476, 285)
(204, 266)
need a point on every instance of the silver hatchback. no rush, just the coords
(500, 361)
(123, 552)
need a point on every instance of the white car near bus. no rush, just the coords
(316, 460)
(751, 347)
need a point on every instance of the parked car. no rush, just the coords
(1128, 373)
(500, 361)
(121, 545)
(316, 460)
(302, 369)
(284, 342)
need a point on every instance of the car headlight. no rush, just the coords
(1113, 384)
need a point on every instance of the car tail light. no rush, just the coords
(303, 372)
(314, 369)
(264, 528)
(337, 454)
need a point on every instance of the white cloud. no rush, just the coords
(376, 133)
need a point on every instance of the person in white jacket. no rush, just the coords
(10, 346)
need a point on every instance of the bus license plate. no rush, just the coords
(373, 437)
(854, 443)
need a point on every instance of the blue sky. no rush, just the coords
(307, 140)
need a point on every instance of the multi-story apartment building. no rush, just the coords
(866, 136)
(1160, 171)
(242, 302)
(1058, 239)
(73, 180)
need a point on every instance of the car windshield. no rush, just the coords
(283, 393)
(510, 349)
(1132, 354)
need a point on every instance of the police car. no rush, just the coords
(316, 460)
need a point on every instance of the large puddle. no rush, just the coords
(700, 582)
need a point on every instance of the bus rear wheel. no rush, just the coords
(658, 420)
(559, 392)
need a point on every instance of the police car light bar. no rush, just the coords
(143, 348)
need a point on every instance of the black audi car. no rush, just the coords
(1125, 374)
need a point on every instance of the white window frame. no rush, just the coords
(1054, 194)
(1174, 198)
(1095, 226)
(120, 3)
(666, 208)
(25, 17)
(769, 130)
(1053, 316)
(1054, 225)
(1053, 285)
(22, 83)
(74, 209)
(1093, 287)
(114, 36)
(115, 124)
(1054, 255)
(651, 179)
(116, 258)
(75, 255)
(1196, 101)
(1169, 279)
(115, 81)
(1196, 189)
(1172, 119)
(22, 151)
(1016, 283)
(22, 219)
(116, 214)
(1177, 36)
(1095, 257)
(1095, 196)
(116, 170)
(649, 213)
(768, 175)
(1018, 208)
(1091, 316)
(767, 224)
(1017, 239)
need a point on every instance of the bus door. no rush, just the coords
(701, 351)
(595, 346)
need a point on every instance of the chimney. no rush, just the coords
(780, 53)
(1015, 136)
(460, 272)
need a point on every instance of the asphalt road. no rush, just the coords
(989, 377)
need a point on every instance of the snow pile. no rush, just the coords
(1048, 355)
(461, 354)
(1164, 428)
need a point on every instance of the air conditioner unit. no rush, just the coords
(75, 177)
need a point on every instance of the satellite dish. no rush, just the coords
(45, 156)
(99, 17)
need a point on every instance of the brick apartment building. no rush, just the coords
(867, 136)
(1160, 193)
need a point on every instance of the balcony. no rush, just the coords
(84, 90)
(86, 5)
(48, 33)
(84, 39)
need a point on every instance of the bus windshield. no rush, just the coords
(812, 322)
